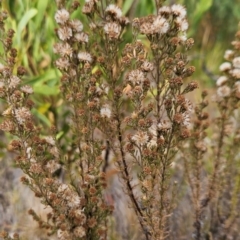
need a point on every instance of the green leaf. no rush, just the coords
(59, 135)
(24, 21)
(44, 108)
(41, 117)
(126, 6)
(202, 7)
(144, 8)
(45, 89)
(46, 84)
(47, 76)
(41, 7)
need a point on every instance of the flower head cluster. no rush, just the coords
(14, 81)
(228, 83)
(65, 33)
(84, 88)
(140, 138)
(168, 19)
(70, 32)
(88, 7)
(114, 11)
(84, 57)
(112, 30)
(27, 89)
(114, 22)
(160, 25)
(105, 112)
(22, 115)
(178, 11)
(223, 91)
(81, 37)
(62, 16)
(136, 77)
(76, 25)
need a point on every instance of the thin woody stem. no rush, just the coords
(128, 183)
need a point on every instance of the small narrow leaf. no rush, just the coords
(24, 21)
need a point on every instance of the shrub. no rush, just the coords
(135, 142)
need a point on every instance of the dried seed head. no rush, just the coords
(223, 91)
(64, 33)
(105, 112)
(164, 11)
(7, 126)
(235, 73)
(178, 118)
(182, 24)
(147, 66)
(62, 63)
(10, 32)
(203, 116)
(236, 62)
(160, 25)
(76, 25)
(114, 11)
(84, 57)
(185, 133)
(178, 11)
(226, 66)
(27, 89)
(65, 50)
(88, 7)
(228, 55)
(201, 146)
(13, 52)
(81, 37)
(190, 87)
(236, 43)
(140, 138)
(221, 81)
(22, 115)
(92, 190)
(146, 28)
(35, 168)
(62, 16)
(92, 222)
(112, 30)
(189, 71)
(189, 43)
(160, 140)
(75, 5)
(14, 81)
(21, 71)
(136, 77)
(62, 235)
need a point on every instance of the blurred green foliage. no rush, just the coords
(213, 24)
(34, 26)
